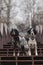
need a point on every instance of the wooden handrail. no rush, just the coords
(15, 60)
(38, 60)
(20, 60)
(9, 51)
(23, 56)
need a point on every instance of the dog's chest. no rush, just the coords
(32, 43)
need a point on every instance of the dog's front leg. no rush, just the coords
(29, 52)
(36, 53)
(14, 53)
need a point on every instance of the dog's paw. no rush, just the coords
(29, 54)
(13, 54)
(18, 54)
(36, 54)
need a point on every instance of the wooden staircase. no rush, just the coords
(7, 58)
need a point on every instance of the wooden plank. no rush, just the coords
(15, 60)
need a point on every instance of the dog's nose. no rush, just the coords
(32, 33)
(31, 44)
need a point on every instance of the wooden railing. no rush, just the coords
(6, 56)
(23, 60)
(10, 51)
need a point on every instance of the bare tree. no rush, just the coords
(20, 11)
(0, 9)
(4, 14)
(28, 9)
(8, 10)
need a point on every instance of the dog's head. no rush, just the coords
(14, 32)
(32, 32)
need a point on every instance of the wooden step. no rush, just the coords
(22, 60)
(7, 46)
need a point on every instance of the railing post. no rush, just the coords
(32, 60)
(7, 52)
(0, 59)
(16, 61)
(40, 51)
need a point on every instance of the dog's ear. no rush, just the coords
(11, 32)
(35, 32)
(29, 31)
(16, 32)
